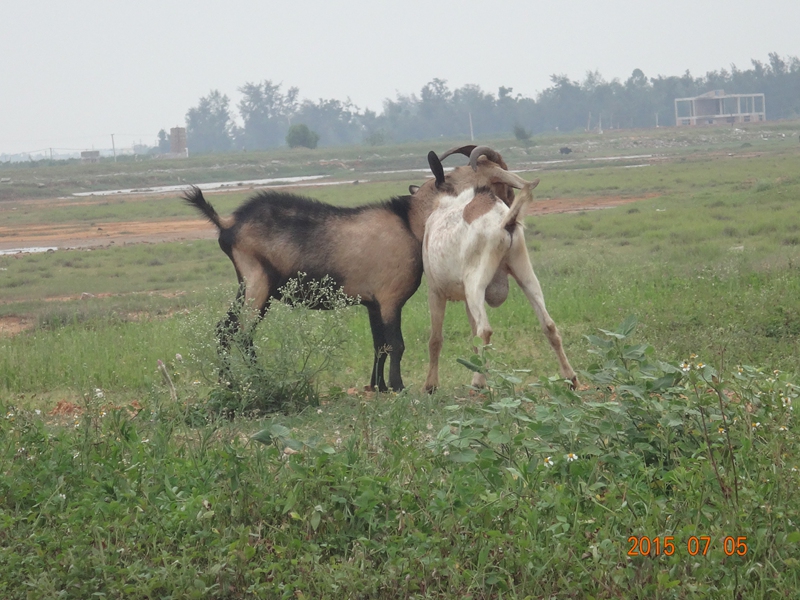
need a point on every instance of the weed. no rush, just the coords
(294, 347)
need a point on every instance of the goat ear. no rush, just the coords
(436, 168)
(413, 189)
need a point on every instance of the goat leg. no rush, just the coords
(436, 306)
(520, 266)
(377, 380)
(476, 309)
(478, 379)
(396, 348)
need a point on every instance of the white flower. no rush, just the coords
(700, 365)
(571, 457)
(548, 462)
(178, 357)
(756, 425)
(62, 497)
(783, 428)
(98, 393)
(319, 411)
(686, 367)
(37, 411)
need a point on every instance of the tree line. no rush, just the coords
(267, 113)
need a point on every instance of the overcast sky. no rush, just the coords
(74, 72)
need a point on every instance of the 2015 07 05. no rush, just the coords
(696, 545)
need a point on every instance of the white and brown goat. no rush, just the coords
(372, 251)
(473, 241)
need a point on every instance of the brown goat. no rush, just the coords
(373, 252)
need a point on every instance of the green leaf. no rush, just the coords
(599, 342)
(636, 352)
(262, 437)
(613, 334)
(633, 390)
(514, 473)
(498, 437)
(627, 326)
(467, 455)
(315, 519)
(471, 366)
(279, 430)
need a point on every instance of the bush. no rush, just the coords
(294, 345)
(301, 136)
(523, 136)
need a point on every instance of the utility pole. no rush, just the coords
(471, 135)
(113, 147)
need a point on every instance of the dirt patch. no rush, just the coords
(12, 325)
(78, 235)
(102, 235)
(573, 205)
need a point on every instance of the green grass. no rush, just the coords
(428, 496)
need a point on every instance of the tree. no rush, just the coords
(334, 121)
(209, 127)
(163, 141)
(523, 135)
(266, 112)
(300, 135)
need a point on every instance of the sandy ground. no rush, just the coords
(103, 235)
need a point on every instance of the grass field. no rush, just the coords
(681, 431)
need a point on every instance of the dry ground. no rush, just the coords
(98, 234)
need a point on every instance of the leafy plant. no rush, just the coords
(301, 136)
(294, 346)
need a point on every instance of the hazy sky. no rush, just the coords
(74, 72)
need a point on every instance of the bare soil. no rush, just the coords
(103, 235)
(98, 235)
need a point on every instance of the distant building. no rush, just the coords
(177, 141)
(718, 108)
(90, 156)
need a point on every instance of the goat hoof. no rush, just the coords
(430, 389)
(573, 383)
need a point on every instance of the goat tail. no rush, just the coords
(195, 197)
(526, 195)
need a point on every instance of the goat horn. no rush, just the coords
(436, 168)
(476, 153)
(498, 175)
(465, 150)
